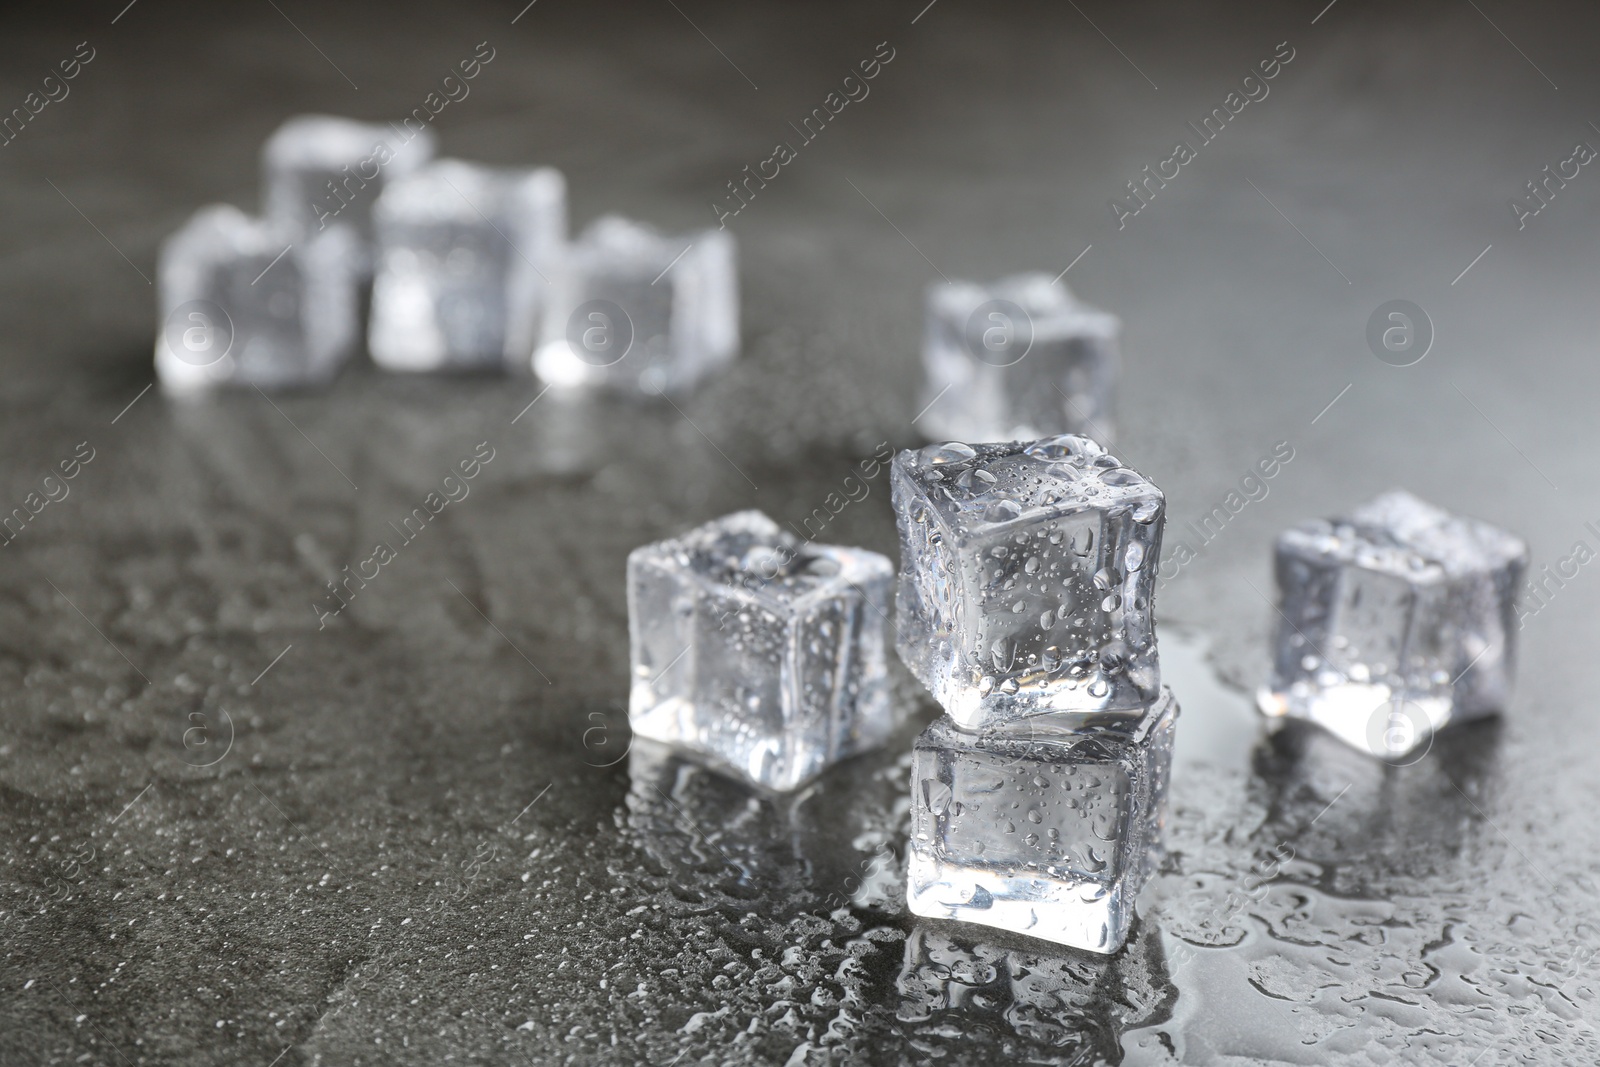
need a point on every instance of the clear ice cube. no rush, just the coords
(640, 312)
(244, 302)
(1394, 621)
(762, 652)
(321, 172)
(1027, 572)
(1016, 360)
(464, 258)
(1047, 829)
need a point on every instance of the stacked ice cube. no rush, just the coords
(1024, 605)
(469, 268)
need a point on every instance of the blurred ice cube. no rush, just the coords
(1394, 621)
(639, 312)
(1016, 360)
(465, 254)
(244, 301)
(320, 172)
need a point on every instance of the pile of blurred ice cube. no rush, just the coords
(469, 268)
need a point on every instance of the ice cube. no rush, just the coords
(245, 302)
(763, 652)
(464, 257)
(320, 172)
(1047, 828)
(1394, 621)
(1026, 578)
(639, 312)
(1016, 360)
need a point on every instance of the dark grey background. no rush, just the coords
(411, 847)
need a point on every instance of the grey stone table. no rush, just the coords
(231, 832)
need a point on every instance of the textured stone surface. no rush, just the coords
(361, 879)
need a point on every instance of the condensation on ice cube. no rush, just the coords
(245, 302)
(1027, 572)
(1394, 621)
(1016, 360)
(465, 254)
(1043, 829)
(322, 172)
(639, 312)
(762, 652)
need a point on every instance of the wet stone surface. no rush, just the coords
(243, 820)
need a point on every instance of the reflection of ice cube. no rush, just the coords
(464, 256)
(322, 173)
(762, 652)
(1395, 621)
(1027, 572)
(1044, 833)
(640, 312)
(1016, 360)
(244, 302)
(1365, 811)
(972, 1001)
(685, 816)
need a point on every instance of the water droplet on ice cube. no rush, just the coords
(822, 567)
(1120, 476)
(1002, 511)
(1066, 446)
(950, 452)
